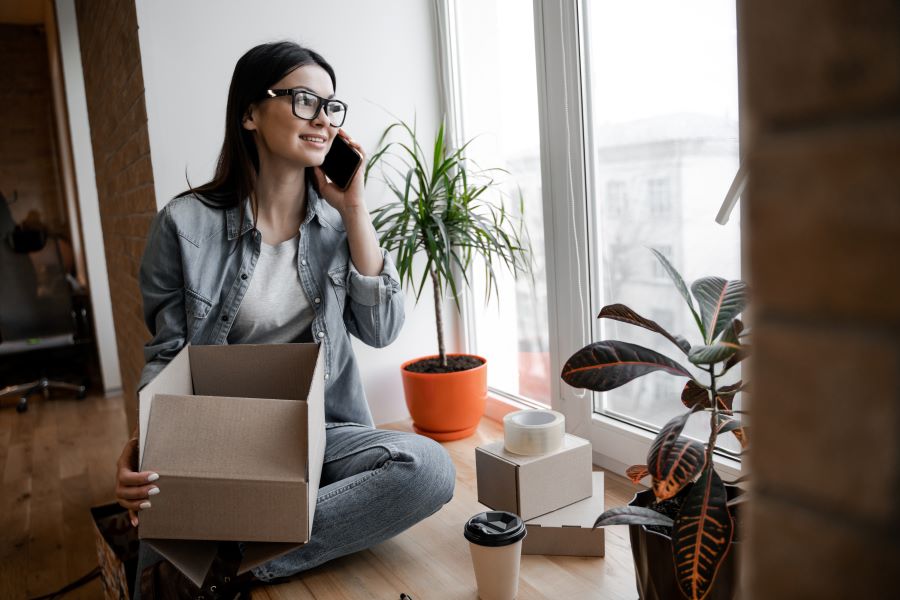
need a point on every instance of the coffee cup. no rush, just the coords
(495, 543)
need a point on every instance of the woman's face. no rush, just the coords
(280, 134)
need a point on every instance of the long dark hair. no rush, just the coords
(238, 165)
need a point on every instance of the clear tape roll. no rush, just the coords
(533, 432)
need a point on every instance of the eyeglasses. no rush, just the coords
(307, 105)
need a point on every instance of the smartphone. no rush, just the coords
(341, 163)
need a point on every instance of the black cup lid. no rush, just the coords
(494, 528)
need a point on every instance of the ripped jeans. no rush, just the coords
(375, 484)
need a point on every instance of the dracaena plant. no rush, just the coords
(450, 211)
(702, 531)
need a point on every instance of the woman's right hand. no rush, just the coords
(133, 489)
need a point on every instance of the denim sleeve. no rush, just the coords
(162, 289)
(377, 310)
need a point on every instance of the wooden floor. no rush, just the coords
(58, 459)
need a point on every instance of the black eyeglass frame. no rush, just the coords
(292, 92)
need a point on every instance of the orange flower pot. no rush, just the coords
(445, 406)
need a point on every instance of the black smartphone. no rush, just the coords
(341, 163)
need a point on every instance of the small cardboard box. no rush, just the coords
(569, 531)
(237, 435)
(530, 486)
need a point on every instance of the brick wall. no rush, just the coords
(114, 85)
(27, 153)
(820, 84)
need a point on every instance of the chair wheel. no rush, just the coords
(81, 393)
(22, 406)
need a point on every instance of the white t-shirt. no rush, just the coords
(275, 309)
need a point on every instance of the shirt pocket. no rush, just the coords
(195, 305)
(338, 280)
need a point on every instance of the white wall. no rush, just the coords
(89, 206)
(385, 59)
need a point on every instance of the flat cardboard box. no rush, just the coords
(530, 486)
(237, 435)
(569, 531)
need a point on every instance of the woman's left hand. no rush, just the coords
(350, 199)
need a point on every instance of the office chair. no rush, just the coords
(37, 311)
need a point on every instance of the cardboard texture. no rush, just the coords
(569, 530)
(531, 486)
(237, 435)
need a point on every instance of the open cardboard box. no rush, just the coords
(530, 486)
(237, 435)
(569, 531)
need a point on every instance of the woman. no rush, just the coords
(269, 251)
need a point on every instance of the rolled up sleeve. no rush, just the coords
(377, 309)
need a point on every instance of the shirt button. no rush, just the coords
(303, 261)
(317, 300)
(326, 375)
(321, 334)
(224, 318)
(243, 276)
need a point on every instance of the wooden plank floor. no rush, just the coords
(58, 459)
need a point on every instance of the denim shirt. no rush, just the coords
(197, 267)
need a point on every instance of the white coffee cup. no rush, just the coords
(495, 544)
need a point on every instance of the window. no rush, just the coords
(620, 125)
(663, 109)
(496, 61)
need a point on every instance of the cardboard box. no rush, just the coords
(531, 486)
(237, 435)
(569, 530)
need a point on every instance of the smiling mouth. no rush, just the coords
(315, 139)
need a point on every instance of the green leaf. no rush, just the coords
(632, 515)
(674, 461)
(712, 354)
(720, 301)
(676, 278)
(606, 365)
(702, 535)
(620, 312)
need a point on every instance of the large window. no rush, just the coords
(663, 118)
(499, 108)
(635, 147)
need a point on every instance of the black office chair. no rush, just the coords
(37, 311)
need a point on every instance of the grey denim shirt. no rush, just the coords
(197, 267)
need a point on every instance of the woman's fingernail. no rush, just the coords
(153, 491)
(152, 477)
(134, 522)
(145, 505)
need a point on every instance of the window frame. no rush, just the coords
(566, 148)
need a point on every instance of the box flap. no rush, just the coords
(497, 481)
(581, 514)
(175, 378)
(315, 403)
(193, 558)
(282, 371)
(235, 438)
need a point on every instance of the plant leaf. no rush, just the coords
(674, 461)
(720, 301)
(712, 354)
(702, 535)
(637, 472)
(676, 278)
(620, 312)
(694, 394)
(606, 365)
(736, 427)
(632, 515)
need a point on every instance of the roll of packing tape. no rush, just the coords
(533, 432)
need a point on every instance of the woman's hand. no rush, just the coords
(133, 489)
(351, 199)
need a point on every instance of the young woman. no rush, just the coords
(269, 251)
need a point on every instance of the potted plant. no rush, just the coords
(449, 212)
(682, 529)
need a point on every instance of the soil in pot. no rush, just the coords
(454, 364)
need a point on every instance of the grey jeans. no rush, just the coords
(375, 484)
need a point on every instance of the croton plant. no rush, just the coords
(703, 529)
